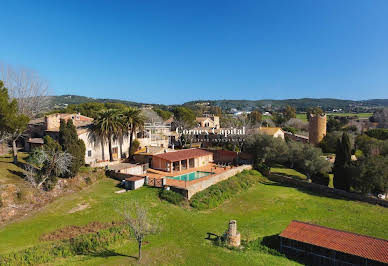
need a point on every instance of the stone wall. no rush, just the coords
(197, 187)
(327, 191)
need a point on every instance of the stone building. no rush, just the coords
(96, 152)
(208, 121)
(317, 128)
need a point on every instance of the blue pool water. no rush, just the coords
(190, 176)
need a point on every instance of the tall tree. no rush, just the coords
(289, 112)
(70, 143)
(139, 223)
(12, 124)
(109, 126)
(313, 110)
(313, 162)
(132, 121)
(183, 117)
(342, 165)
(255, 117)
(27, 87)
(96, 135)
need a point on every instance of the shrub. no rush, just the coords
(378, 133)
(263, 168)
(171, 196)
(83, 244)
(216, 194)
(321, 179)
(290, 129)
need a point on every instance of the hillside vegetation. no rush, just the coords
(263, 210)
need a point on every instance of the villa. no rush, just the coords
(154, 134)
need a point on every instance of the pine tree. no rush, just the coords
(343, 167)
(70, 143)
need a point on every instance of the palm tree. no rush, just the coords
(133, 120)
(108, 126)
(96, 135)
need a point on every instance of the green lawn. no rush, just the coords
(360, 115)
(10, 173)
(288, 172)
(264, 210)
(303, 117)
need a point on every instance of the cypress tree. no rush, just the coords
(70, 143)
(343, 164)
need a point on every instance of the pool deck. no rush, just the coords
(152, 173)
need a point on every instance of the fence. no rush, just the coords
(154, 182)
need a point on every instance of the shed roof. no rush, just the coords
(134, 178)
(36, 140)
(359, 245)
(182, 154)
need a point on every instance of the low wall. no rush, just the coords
(103, 164)
(197, 187)
(324, 190)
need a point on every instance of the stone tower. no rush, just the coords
(317, 128)
(233, 237)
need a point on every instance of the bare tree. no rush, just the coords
(48, 163)
(27, 87)
(137, 219)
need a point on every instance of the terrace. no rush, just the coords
(209, 168)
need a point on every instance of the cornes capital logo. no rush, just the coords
(221, 132)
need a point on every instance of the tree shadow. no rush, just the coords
(326, 192)
(17, 173)
(104, 253)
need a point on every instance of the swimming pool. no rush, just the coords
(190, 176)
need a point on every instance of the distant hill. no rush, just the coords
(327, 104)
(75, 99)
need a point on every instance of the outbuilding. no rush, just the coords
(134, 182)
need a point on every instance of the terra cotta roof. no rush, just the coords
(182, 154)
(359, 245)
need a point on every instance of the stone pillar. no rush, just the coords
(180, 165)
(233, 236)
(187, 164)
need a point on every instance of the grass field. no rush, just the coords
(263, 210)
(288, 172)
(8, 171)
(303, 117)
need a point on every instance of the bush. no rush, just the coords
(83, 244)
(171, 196)
(264, 169)
(216, 194)
(378, 133)
(321, 179)
(290, 129)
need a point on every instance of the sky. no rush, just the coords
(171, 52)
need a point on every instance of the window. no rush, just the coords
(89, 153)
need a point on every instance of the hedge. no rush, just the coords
(216, 194)
(171, 196)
